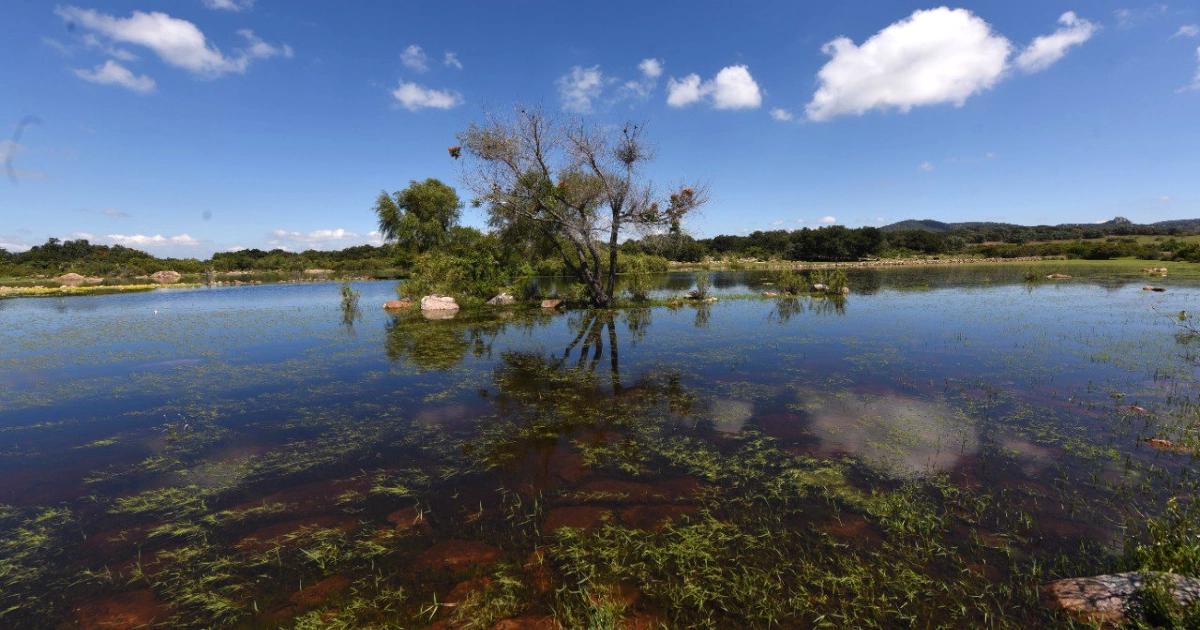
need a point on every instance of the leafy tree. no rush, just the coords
(419, 217)
(580, 186)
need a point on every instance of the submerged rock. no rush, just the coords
(1112, 598)
(438, 303)
(1157, 289)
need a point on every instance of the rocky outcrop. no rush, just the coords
(438, 303)
(1114, 598)
(166, 276)
(504, 299)
(396, 305)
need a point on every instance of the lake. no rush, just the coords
(927, 452)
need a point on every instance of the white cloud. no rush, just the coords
(782, 115)
(926, 167)
(827, 220)
(259, 49)
(91, 41)
(451, 60)
(115, 213)
(651, 68)
(158, 240)
(229, 5)
(321, 239)
(177, 42)
(1165, 198)
(415, 58)
(1187, 30)
(683, 92)
(579, 88)
(14, 246)
(732, 88)
(936, 56)
(414, 97)
(1047, 49)
(113, 73)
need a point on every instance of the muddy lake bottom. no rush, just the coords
(927, 452)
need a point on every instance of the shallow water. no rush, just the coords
(201, 456)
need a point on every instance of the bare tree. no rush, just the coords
(579, 185)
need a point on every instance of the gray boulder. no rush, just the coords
(1113, 598)
(504, 299)
(438, 303)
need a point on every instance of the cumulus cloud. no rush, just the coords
(782, 115)
(113, 73)
(651, 68)
(14, 246)
(450, 60)
(322, 239)
(1187, 30)
(415, 58)
(229, 5)
(934, 56)
(156, 241)
(177, 42)
(1047, 49)
(413, 97)
(579, 88)
(732, 88)
(827, 220)
(780, 222)
(926, 167)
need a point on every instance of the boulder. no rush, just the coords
(504, 299)
(552, 303)
(396, 305)
(1058, 276)
(70, 278)
(438, 303)
(819, 288)
(166, 275)
(1109, 598)
(1155, 289)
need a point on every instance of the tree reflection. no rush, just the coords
(440, 344)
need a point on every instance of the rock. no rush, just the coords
(409, 518)
(504, 299)
(318, 272)
(552, 303)
(70, 278)
(1057, 276)
(396, 305)
(166, 276)
(456, 555)
(135, 609)
(1107, 598)
(584, 517)
(527, 623)
(819, 288)
(1156, 289)
(438, 303)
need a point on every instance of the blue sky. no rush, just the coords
(186, 127)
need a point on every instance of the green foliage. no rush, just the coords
(420, 217)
